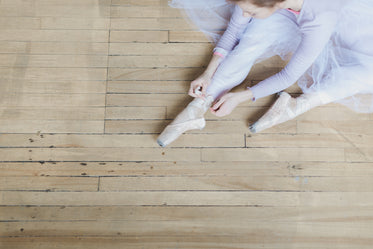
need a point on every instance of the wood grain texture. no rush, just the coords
(87, 86)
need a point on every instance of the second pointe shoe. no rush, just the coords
(273, 115)
(286, 108)
(191, 118)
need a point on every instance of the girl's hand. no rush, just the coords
(199, 86)
(226, 104)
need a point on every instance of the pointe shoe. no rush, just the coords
(286, 108)
(172, 132)
(191, 118)
(273, 115)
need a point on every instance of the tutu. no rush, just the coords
(209, 16)
(212, 18)
(344, 68)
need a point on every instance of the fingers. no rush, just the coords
(197, 91)
(191, 92)
(217, 105)
(223, 106)
(203, 91)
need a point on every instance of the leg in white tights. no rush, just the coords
(226, 77)
(286, 108)
(231, 72)
(254, 44)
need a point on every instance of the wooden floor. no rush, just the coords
(87, 86)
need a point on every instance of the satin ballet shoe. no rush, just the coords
(172, 132)
(273, 115)
(286, 108)
(191, 118)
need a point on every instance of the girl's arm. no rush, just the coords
(231, 36)
(227, 42)
(229, 39)
(199, 86)
(315, 35)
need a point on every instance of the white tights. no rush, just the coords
(254, 44)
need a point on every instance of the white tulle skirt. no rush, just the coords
(344, 70)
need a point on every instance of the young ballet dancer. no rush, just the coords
(331, 57)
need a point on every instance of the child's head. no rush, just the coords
(258, 8)
(260, 3)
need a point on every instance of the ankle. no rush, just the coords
(203, 104)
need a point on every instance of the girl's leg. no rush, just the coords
(286, 108)
(231, 72)
(258, 42)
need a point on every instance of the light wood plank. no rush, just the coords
(336, 127)
(194, 169)
(50, 126)
(145, 100)
(55, 61)
(359, 154)
(86, 184)
(76, 48)
(177, 102)
(30, 113)
(158, 61)
(135, 126)
(138, 36)
(53, 74)
(53, 87)
(144, 11)
(150, 24)
(274, 154)
(135, 112)
(32, 100)
(187, 74)
(54, 8)
(333, 113)
(74, 23)
(157, 3)
(55, 2)
(118, 141)
(173, 73)
(297, 140)
(198, 214)
(55, 35)
(171, 198)
(187, 36)
(290, 240)
(159, 49)
(148, 87)
(177, 228)
(19, 23)
(212, 127)
(101, 154)
(251, 183)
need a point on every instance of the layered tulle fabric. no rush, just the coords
(209, 16)
(344, 70)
